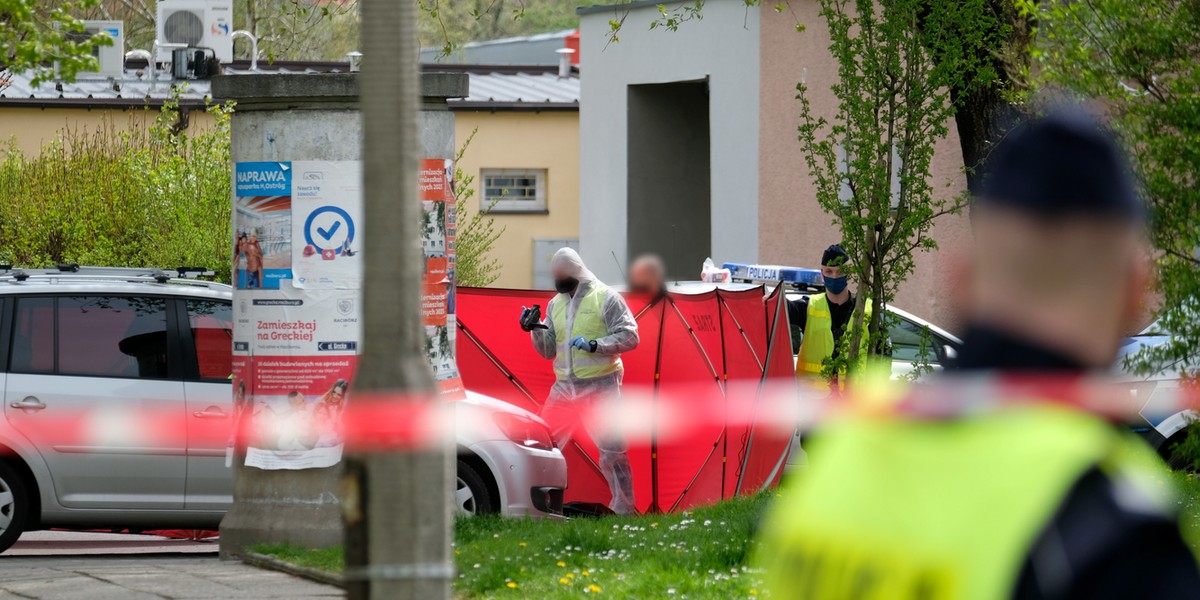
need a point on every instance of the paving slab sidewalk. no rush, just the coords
(148, 576)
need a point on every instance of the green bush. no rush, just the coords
(138, 196)
(477, 233)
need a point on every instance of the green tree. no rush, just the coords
(135, 196)
(449, 23)
(477, 233)
(1142, 62)
(871, 162)
(43, 38)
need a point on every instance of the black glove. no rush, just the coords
(525, 326)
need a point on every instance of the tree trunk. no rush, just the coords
(984, 115)
(396, 504)
(982, 118)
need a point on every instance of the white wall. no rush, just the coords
(724, 47)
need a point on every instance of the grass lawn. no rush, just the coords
(698, 554)
(1189, 508)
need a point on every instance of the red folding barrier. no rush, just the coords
(711, 353)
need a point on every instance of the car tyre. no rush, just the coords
(14, 506)
(471, 495)
(1167, 452)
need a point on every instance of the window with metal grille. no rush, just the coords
(514, 190)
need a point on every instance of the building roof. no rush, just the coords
(616, 7)
(492, 87)
(136, 88)
(496, 87)
(538, 49)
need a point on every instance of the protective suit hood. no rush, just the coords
(568, 262)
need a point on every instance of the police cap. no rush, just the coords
(1062, 165)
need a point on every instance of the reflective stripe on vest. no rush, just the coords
(589, 323)
(906, 508)
(817, 343)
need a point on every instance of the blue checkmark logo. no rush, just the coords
(327, 233)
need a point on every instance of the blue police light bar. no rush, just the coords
(774, 273)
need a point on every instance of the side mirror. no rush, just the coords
(950, 352)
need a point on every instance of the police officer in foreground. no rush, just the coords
(1014, 495)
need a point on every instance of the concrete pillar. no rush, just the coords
(297, 117)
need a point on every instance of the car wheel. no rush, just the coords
(14, 506)
(471, 495)
(1169, 455)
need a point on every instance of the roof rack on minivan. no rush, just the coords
(66, 272)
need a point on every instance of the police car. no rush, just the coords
(912, 338)
(1165, 425)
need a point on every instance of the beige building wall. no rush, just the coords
(793, 230)
(31, 127)
(525, 140)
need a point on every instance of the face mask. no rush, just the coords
(566, 286)
(835, 285)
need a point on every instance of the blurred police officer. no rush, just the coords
(1005, 499)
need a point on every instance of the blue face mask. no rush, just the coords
(835, 285)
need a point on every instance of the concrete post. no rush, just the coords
(297, 117)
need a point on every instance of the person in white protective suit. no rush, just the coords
(586, 329)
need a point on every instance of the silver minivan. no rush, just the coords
(117, 405)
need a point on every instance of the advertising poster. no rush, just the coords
(262, 224)
(328, 251)
(438, 229)
(298, 323)
(296, 344)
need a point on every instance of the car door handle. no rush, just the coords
(211, 412)
(29, 403)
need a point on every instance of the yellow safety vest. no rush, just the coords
(589, 323)
(901, 508)
(817, 343)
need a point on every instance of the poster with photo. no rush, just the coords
(295, 352)
(438, 231)
(262, 224)
(297, 327)
(296, 309)
(327, 207)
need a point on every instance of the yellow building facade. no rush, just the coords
(524, 158)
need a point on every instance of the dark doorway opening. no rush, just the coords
(670, 207)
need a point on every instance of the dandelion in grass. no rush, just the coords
(512, 585)
(560, 564)
(522, 544)
(564, 581)
(593, 588)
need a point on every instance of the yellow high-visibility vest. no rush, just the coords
(589, 323)
(904, 508)
(817, 343)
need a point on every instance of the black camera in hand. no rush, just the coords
(531, 318)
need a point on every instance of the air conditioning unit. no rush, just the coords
(110, 58)
(204, 24)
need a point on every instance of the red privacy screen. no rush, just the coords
(709, 354)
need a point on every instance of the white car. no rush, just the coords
(1164, 425)
(906, 330)
(119, 344)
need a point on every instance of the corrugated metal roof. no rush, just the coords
(503, 87)
(515, 90)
